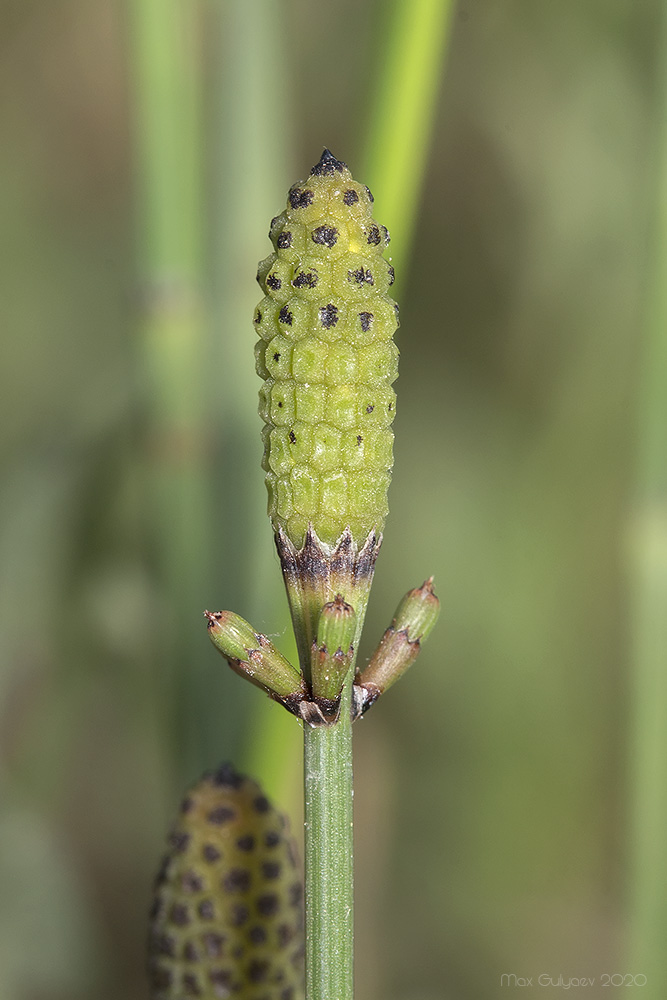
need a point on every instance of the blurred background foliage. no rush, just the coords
(495, 787)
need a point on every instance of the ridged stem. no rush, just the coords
(314, 575)
(329, 858)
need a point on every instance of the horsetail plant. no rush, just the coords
(328, 360)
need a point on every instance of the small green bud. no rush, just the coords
(418, 612)
(251, 655)
(332, 652)
(231, 634)
(399, 647)
(335, 631)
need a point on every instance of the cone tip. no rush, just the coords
(328, 165)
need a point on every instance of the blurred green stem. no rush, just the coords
(403, 113)
(329, 857)
(166, 70)
(648, 743)
(249, 134)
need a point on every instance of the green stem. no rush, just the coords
(167, 92)
(403, 113)
(244, 197)
(329, 858)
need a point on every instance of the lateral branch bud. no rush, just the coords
(332, 653)
(251, 655)
(418, 612)
(399, 647)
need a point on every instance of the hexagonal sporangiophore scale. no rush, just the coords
(328, 359)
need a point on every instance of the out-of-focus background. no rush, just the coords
(145, 147)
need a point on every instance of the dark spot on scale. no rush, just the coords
(156, 908)
(179, 840)
(327, 165)
(261, 804)
(179, 915)
(280, 404)
(166, 945)
(285, 316)
(258, 317)
(239, 915)
(359, 439)
(238, 953)
(227, 777)
(370, 194)
(305, 279)
(271, 870)
(396, 312)
(295, 894)
(257, 934)
(190, 952)
(285, 934)
(190, 985)
(292, 437)
(221, 815)
(272, 838)
(300, 197)
(366, 319)
(369, 409)
(350, 197)
(236, 880)
(246, 843)
(361, 276)
(210, 853)
(287, 993)
(392, 274)
(387, 237)
(297, 957)
(257, 970)
(284, 241)
(191, 882)
(186, 806)
(206, 910)
(326, 236)
(373, 237)
(390, 407)
(276, 357)
(274, 282)
(274, 221)
(221, 978)
(213, 943)
(268, 904)
(328, 316)
(162, 978)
